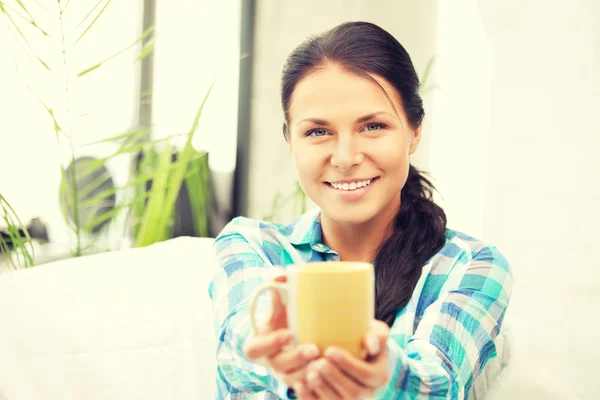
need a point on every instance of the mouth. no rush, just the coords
(352, 186)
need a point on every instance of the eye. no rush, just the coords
(374, 126)
(316, 132)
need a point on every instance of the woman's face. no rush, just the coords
(350, 147)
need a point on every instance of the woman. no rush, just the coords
(353, 117)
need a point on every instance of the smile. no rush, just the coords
(350, 185)
(352, 190)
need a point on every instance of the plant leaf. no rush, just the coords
(95, 19)
(57, 127)
(29, 20)
(183, 161)
(65, 7)
(427, 72)
(148, 48)
(151, 230)
(13, 223)
(16, 27)
(198, 192)
(98, 65)
(124, 135)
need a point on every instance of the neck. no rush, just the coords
(359, 241)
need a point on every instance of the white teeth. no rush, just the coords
(351, 186)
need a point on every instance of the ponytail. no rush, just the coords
(418, 234)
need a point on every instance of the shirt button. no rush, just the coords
(320, 247)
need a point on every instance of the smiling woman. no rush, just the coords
(353, 119)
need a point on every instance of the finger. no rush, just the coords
(278, 317)
(290, 361)
(292, 378)
(267, 345)
(376, 338)
(372, 344)
(341, 383)
(303, 392)
(359, 370)
(321, 388)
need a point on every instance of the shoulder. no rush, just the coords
(467, 263)
(471, 269)
(461, 249)
(253, 230)
(297, 231)
(267, 238)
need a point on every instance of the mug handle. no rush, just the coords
(281, 287)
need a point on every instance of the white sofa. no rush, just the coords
(137, 324)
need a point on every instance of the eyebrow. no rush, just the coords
(323, 122)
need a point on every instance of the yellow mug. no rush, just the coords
(327, 303)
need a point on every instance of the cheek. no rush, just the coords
(308, 161)
(391, 156)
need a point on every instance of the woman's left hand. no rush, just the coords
(342, 376)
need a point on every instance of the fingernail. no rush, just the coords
(299, 388)
(286, 337)
(325, 367)
(373, 344)
(313, 378)
(333, 354)
(310, 351)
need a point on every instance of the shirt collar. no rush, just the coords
(306, 229)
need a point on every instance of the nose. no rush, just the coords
(345, 154)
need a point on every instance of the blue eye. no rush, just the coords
(374, 126)
(316, 132)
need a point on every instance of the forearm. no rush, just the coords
(240, 373)
(426, 376)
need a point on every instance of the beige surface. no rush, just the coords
(121, 325)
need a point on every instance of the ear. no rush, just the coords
(415, 140)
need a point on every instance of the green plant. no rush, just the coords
(425, 86)
(18, 250)
(297, 200)
(88, 205)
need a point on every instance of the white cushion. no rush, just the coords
(119, 325)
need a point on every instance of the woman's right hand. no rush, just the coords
(270, 345)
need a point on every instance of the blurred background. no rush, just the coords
(102, 146)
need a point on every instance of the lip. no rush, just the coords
(352, 195)
(352, 180)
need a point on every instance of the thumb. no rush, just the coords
(376, 338)
(278, 319)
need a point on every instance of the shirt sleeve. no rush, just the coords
(455, 338)
(242, 268)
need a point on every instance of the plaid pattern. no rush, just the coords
(439, 343)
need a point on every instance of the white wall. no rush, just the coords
(515, 140)
(281, 25)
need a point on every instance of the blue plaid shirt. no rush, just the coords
(438, 345)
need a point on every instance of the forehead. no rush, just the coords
(333, 91)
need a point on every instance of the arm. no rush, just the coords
(455, 338)
(242, 269)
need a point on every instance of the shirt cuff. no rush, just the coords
(395, 353)
(285, 392)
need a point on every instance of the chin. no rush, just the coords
(354, 214)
